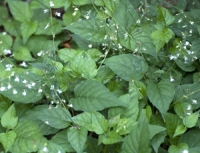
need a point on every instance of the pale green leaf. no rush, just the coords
(61, 139)
(138, 139)
(93, 96)
(164, 16)
(51, 147)
(29, 138)
(9, 119)
(55, 117)
(8, 139)
(13, 27)
(27, 29)
(191, 120)
(127, 66)
(183, 109)
(161, 94)
(23, 54)
(20, 10)
(92, 121)
(172, 122)
(182, 147)
(77, 137)
(180, 130)
(161, 37)
(95, 54)
(67, 54)
(93, 30)
(110, 137)
(5, 42)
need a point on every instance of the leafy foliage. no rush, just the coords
(99, 76)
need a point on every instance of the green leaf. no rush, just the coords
(93, 30)
(95, 54)
(27, 29)
(69, 17)
(182, 147)
(93, 96)
(61, 139)
(23, 87)
(51, 147)
(127, 66)
(67, 54)
(9, 119)
(77, 137)
(164, 16)
(8, 139)
(110, 137)
(180, 130)
(157, 140)
(23, 54)
(137, 141)
(83, 2)
(54, 3)
(161, 94)
(83, 66)
(29, 138)
(161, 37)
(92, 121)
(155, 129)
(13, 27)
(55, 117)
(4, 14)
(172, 122)
(191, 120)
(183, 109)
(5, 42)
(20, 10)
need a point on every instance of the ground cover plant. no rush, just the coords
(99, 76)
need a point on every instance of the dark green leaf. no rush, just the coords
(5, 42)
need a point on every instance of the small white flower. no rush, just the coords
(2, 88)
(58, 14)
(171, 79)
(76, 8)
(4, 33)
(119, 46)
(125, 35)
(24, 81)
(87, 16)
(46, 10)
(23, 64)
(74, 13)
(70, 105)
(16, 79)
(194, 101)
(8, 67)
(14, 91)
(90, 45)
(47, 122)
(7, 51)
(40, 90)
(9, 86)
(51, 3)
(24, 93)
(59, 91)
(33, 84)
(52, 87)
(45, 149)
(47, 26)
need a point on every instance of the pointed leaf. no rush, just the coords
(182, 147)
(93, 96)
(110, 138)
(92, 121)
(5, 42)
(29, 138)
(165, 17)
(183, 109)
(8, 139)
(155, 129)
(23, 54)
(20, 10)
(55, 117)
(180, 130)
(77, 137)
(191, 120)
(9, 119)
(127, 66)
(157, 140)
(161, 94)
(27, 29)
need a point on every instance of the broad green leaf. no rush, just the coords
(13, 27)
(23, 54)
(55, 117)
(92, 121)
(180, 130)
(161, 94)
(70, 17)
(127, 66)
(93, 30)
(54, 3)
(188, 93)
(4, 14)
(183, 109)
(29, 138)
(164, 17)
(138, 88)
(191, 138)
(5, 42)
(48, 27)
(182, 147)
(157, 140)
(4, 105)
(191, 120)
(161, 37)
(27, 29)
(77, 137)
(51, 147)
(83, 66)
(95, 54)
(8, 139)
(92, 145)
(82, 2)
(104, 74)
(93, 96)
(67, 54)
(155, 129)
(20, 10)
(138, 139)
(23, 87)
(61, 139)
(138, 39)
(113, 121)
(9, 119)
(110, 137)
(172, 122)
